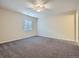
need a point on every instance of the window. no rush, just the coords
(27, 25)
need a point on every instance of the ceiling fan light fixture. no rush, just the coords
(38, 6)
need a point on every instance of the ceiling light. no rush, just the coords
(38, 6)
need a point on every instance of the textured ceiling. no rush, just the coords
(54, 7)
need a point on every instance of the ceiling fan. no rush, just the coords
(38, 5)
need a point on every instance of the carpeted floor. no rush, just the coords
(39, 47)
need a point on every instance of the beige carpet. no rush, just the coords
(39, 47)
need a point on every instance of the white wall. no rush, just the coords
(78, 25)
(0, 25)
(60, 27)
(77, 28)
(11, 24)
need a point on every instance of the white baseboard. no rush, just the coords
(58, 38)
(10, 40)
